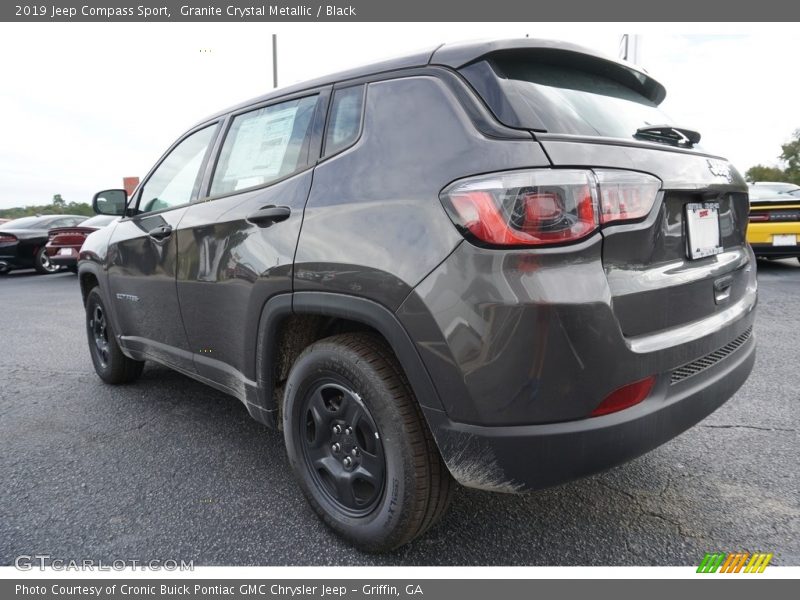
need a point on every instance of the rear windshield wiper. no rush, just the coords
(678, 136)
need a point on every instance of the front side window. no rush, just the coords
(175, 179)
(344, 122)
(264, 145)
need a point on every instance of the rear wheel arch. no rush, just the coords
(291, 322)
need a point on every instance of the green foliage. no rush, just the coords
(65, 208)
(790, 156)
(762, 173)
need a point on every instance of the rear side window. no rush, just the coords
(344, 123)
(560, 97)
(264, 145)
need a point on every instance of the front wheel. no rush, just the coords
(359, 444)
(110, 364)
(43, 264)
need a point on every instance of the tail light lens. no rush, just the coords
(6, 238)
(546, 206)
(759, 217)
(625, 397)
(626, 195)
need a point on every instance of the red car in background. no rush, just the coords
(64, 243)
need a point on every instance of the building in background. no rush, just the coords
(130, 183)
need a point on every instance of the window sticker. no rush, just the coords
(260, 147)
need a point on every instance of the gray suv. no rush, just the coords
(497, 264)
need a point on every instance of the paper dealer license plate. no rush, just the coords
(702, 229)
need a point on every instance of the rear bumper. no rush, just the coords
(10, 261)
(523, 346)
(530, 457)
(770, 251)
(64, 261)
(760, 237)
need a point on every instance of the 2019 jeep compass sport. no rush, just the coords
(495, 263)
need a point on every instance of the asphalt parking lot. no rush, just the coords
(167, 468)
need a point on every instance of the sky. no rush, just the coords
(89, 103)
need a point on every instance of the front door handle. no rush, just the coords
(267, 215)
(161, 232)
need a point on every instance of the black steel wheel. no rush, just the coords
(342, 447)
(99, 332)
(359, 444)
(110, 364)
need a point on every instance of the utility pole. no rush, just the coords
(274, 60)
(630, 48)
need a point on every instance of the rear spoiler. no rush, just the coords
(458, 56)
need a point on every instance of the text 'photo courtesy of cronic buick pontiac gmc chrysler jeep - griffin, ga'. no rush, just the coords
(497, 264)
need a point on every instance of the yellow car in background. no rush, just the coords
(774, 228)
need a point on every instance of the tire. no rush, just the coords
(42, 263)
(110, 364)
(347, 398)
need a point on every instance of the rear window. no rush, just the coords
(99, 221)
(570, 100)
(29, 223)
(22, 223)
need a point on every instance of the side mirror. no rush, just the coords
(110, 202)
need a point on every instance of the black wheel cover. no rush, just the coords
(342, 447)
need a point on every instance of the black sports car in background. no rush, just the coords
(22, 242)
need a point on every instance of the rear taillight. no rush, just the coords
(625, 195)
(6, 238)
(624, 397)
(67, 239)
(759, 217)
(546, 206)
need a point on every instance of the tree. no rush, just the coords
(790, 155)
(762, 173)
(73, 208)
(58, 201)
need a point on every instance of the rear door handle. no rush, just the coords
(161, 232)
(267, 215)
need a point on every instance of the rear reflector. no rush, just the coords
(625, 397)
(541, 207)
